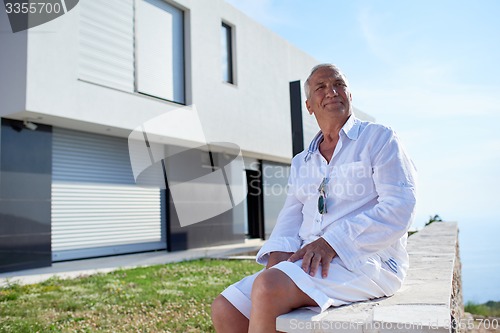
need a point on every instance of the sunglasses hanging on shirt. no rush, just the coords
(322, 197)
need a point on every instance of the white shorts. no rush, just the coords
(341, 286)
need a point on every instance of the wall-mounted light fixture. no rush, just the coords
(30, 125)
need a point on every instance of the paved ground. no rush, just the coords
(74, 268)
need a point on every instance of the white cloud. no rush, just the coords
(422, 101)
(419, 84)
(412, 80)
(369, 24)
(385, 42)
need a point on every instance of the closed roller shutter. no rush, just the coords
(96, 207)
(106, 50)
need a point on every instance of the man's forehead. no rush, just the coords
(327, 73)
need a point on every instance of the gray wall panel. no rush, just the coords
(25, 196)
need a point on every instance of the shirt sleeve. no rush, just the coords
(358, 237)
(285, 235)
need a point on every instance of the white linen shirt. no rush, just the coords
(370, 198)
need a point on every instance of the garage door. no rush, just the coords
(97, 209)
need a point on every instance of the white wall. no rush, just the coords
(254, 113)
(13, 56)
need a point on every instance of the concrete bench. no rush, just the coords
(430, 299)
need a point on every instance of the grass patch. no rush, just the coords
(166, 298)
(488, 309)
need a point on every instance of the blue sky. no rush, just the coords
(430, 70)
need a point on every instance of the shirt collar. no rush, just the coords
(350, 128)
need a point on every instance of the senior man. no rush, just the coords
(341, 235)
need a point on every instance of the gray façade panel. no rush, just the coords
(216, 230)
(25, 196)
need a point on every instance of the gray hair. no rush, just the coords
(307, 90)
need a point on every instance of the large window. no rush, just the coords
(227, 53)
(146, 57)
(160, 50)
(106, 43)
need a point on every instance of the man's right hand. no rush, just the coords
(277, 257)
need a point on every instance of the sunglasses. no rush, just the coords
(322, 197)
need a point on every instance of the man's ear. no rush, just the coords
(308, 106)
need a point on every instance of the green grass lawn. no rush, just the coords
(167, 298)
(488, 309)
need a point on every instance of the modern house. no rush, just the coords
(73, 90)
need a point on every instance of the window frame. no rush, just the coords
(183, 56)
(228, 31)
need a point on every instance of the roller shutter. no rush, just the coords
(96, 207)
(106, 43)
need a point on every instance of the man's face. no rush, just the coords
(329, 94)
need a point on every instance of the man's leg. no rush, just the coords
(226, 318)
(273, 294)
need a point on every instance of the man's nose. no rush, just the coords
(332, 90)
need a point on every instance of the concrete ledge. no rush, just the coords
(430, 299)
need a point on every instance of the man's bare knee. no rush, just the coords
(273, 285)
(226, 318)
(270, 284)
(219, 308)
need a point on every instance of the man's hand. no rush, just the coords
(314, 254)
(277, 257)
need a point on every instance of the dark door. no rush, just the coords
(255, 204)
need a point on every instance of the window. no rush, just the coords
(227, 53)
(106, 43)
(133, 48)
(160, 50)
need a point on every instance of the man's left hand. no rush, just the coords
(314, 254)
